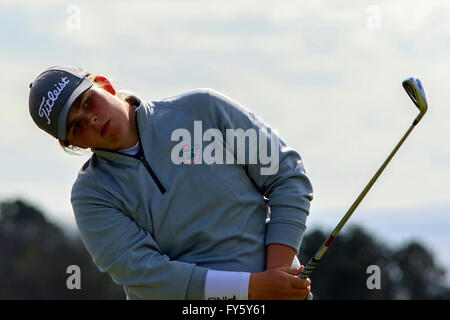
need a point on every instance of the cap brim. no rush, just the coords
(85, 85)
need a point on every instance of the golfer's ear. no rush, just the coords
(104, 83)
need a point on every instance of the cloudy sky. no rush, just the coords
(326, 75)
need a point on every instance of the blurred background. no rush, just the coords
(326, 75)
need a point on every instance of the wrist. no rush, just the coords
(226, 285)
(252, 286)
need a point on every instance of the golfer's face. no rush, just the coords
(98, 119)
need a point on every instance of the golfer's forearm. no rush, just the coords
(279, 255)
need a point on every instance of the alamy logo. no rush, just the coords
(74, 280)
(48, 102)
(256, 149)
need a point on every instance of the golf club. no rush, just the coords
(416, 92)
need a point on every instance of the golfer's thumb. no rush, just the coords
(292, 271)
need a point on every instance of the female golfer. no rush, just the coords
(168, 204)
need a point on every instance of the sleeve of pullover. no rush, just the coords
(282, 179)
(128, 253)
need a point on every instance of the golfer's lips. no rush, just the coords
(105, 128)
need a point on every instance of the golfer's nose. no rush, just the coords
(93, 121)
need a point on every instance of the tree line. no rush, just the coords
(35, 255)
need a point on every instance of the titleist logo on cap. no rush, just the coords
(47, 102)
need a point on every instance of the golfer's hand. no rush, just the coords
(278, 284)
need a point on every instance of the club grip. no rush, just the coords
(306, 272)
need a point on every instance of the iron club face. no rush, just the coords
(415, 90)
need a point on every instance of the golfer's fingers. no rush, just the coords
(292, 271)
(301, 293)
(301, 283)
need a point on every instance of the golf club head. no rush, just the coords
(415, 90)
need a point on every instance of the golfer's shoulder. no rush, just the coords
(186, 96)
(194, 99)
(87, 175)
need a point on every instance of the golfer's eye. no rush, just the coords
(86, 104)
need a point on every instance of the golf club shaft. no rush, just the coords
(312, 263)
